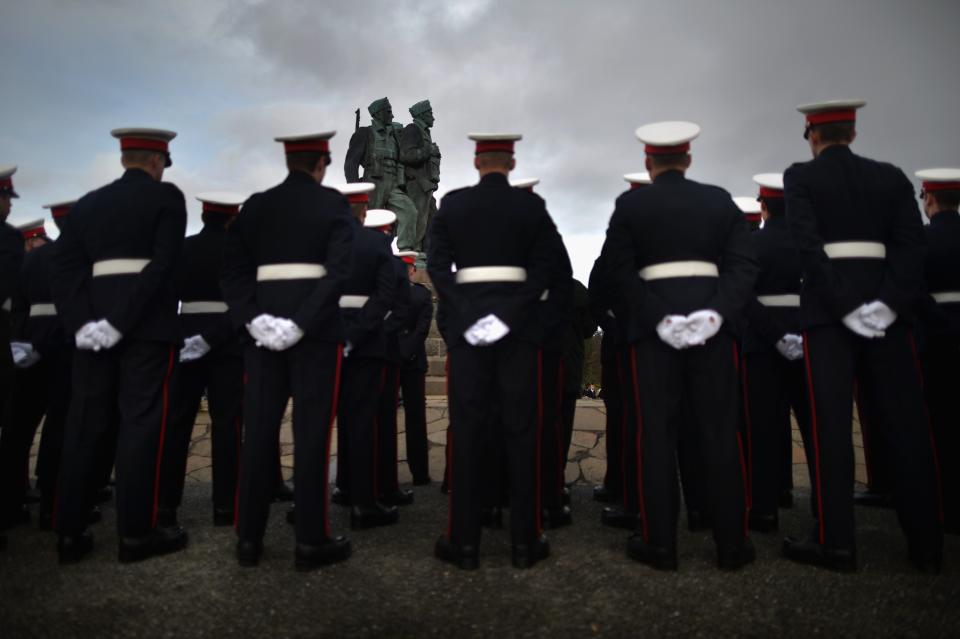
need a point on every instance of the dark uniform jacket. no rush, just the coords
(11, 256)
(608, 309)
(779, 275)
(493, 224)
(198, 280)
(842, 197)
(394, 322)
(556, 303)
(135, 217)
(942, 274)
(297, 221)
(676, 219)
(413, 334)
(371, 275)
(44, 332)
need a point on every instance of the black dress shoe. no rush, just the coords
(491, 517)
(615, 517)
(371, 516)
(95, 516)
(872, 499)
(565, 495)
(463, 557)
(292, 515)
(340, 497)
(558, 517)
(422, 481)
(167, 517)
(103, 495)
(698, 521)
(738, 558)
(14, 517)
(786, 499)
(402, 497)
(160, 541)
(527, 555)
(73, 548)
(223, 517)
(927, 562)
(249, 552)
(604, 495)
(812, 553)
(763, 523)
(283, 492)
(654, 556)
(313, 556)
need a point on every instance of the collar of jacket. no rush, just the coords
(671, 175)
(299, 176)
(136, 174)
(945, 217)
(775, 222)
(494, 178)
(836, 149)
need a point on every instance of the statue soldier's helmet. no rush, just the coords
(420, 108)
(378, 105)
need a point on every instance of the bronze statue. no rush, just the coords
(421, 159)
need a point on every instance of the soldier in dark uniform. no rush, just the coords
(42, 385)
(113, 287)
(680, 254)
(858, 231)
(211, 360)
(11, 255)
(503, 244)
(413, 372)
(940, 314)
(772, 352)
(286, 257)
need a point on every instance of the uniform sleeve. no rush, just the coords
(355, 153)
(238, 275)
(339, 256)
(412, 150)
(738, 268)
(167, 244)
(370, 319)
(220, 331)
(71, 274)
(903, 269)
(763, 323)
(543, 266)
(819, 274)
(439, 264)
(20, 308)
(11, 257)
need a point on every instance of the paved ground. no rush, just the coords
(393, 587)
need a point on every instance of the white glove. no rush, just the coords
(701, 326)
(23, 354)
(194, 348)
(288, 333)
(877, 315)
(671, 329)
(107, 335)
(262, 331)
(487, 330)
(347, 347)
(791, 346)
(854, 321)
(87, 338)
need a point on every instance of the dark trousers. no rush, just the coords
(131, 380)
(357, 450)
(549, 403)
(502, 375)
(610, 375)
(41, 392)
(386, 424)
(220, 373)
(941, 382)
(689, 456)
(309, 372)
(876, 447)
(413, 385)
(772, 386)
(705, 377)
(834, 358)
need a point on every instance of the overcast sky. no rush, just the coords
(575, 78)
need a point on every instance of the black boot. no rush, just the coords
(167, 517)
(340, 497)
(527, 555)
(463, 557)
(223, 517)
(283, 492)
(764, 523)
(402, 497)
(491, 517)
(249, 552)
(604, 495)
(615, 517)
(313, 556)
(737, 558)
(698, 520)
(73, 548)
(372, 516)
(159, 541)
(654, 556)
(557, 517)
(812, 553)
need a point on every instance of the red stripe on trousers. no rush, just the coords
(636, 401)
(816, 438)
(748, 479)
(326, 454)
(926, 411)
(163, 433)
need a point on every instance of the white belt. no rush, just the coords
(786, 301)
(692, 268)
(947, 297)
(119, 267)
(476, 274)
(353, 301)
(854, 250)
(198, 308)
(7, 305)
(43, 310)
(292, 271)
